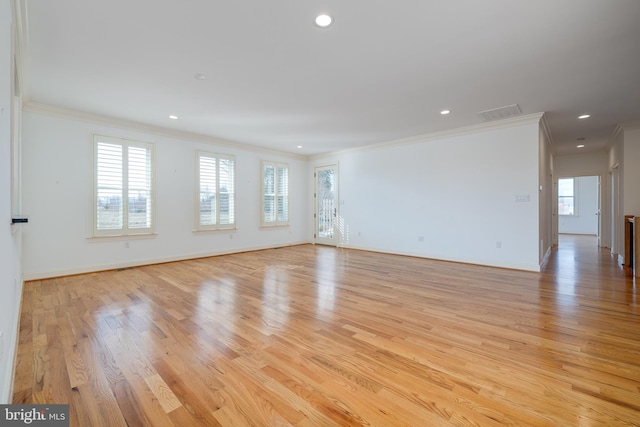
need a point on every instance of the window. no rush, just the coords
(123, 187)
(275, 194)
(215, 191)
(566, 196)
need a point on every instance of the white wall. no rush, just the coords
(57, 152)
(10, 239)
(457, 192)
(585, 220)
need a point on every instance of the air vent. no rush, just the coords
(500, 113)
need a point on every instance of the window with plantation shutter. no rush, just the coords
(123, 202)
(215, 191)
(275, 194)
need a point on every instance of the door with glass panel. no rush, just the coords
(326, 205)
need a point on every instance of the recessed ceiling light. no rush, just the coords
(299, 146)
(172, 117)
(445, 112)
(323, 20)
(580, 146)
(199, 76)
(584, 116)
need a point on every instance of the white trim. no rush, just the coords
(121, 237)
(612, 139)
(7, 388)
(92, 118)
(21, 46)
(544, 124)
(632, 125)
(141, 263)
(545, 259)
(482, 127)
(151, 261)
(462, 260)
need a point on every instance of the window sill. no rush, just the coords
(214, 230)
(274, 227)
(121, 237)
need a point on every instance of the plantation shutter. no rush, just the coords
(283, 194)
(216, 191)
(139, 185)
(110, 187)
(226, 174)
(269, 193)
(207, 174)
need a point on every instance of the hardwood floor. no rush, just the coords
(318, 336)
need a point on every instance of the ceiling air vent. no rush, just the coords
(500, 113)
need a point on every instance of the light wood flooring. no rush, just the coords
(319, 336)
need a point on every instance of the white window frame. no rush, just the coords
(199, 226)
(124, 230)
(276, 222)
(574, 196)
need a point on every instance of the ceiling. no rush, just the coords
(382, 71)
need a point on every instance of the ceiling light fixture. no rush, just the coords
(299, 146)
(199, 76)
(172, 117)
(580, 146)
(323, 20)
(445, 112)
(584, 116)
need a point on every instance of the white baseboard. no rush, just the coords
(462, 260)
(138, 263)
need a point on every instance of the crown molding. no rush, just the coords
(93, 118)
(633, 125)
(617, 131)
(544, 124)
(467, 130)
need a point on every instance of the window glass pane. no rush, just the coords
(207, 190)
(565, 205)
(566, 197)
(565, 187)
(109, 186)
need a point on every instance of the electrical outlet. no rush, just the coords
(420, 238)
(498, 244)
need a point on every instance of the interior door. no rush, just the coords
(326, 205)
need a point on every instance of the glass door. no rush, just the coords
(326, 205)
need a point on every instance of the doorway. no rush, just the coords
(326, 205)
(579, 206)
